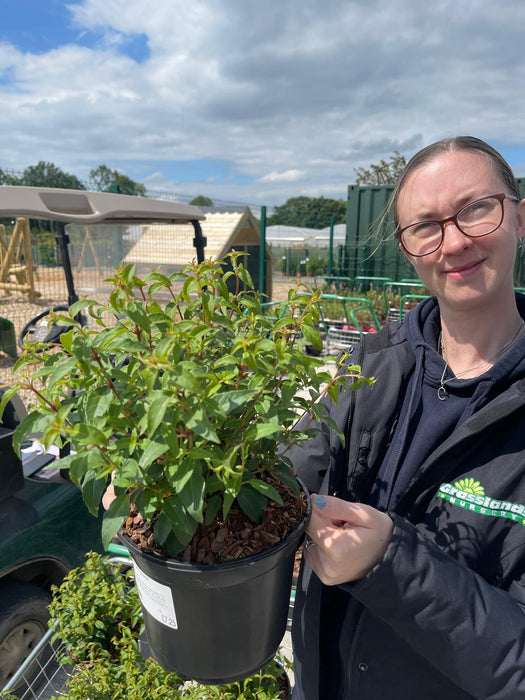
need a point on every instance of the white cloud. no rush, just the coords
(293, 95)
(286, 176)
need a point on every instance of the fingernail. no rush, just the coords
(319, 502)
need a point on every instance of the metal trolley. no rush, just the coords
(41, 676)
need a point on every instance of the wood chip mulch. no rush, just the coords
(233, 538)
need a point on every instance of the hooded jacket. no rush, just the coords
(442, 616)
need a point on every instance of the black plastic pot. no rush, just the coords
(216, 623)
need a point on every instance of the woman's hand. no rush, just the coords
(109, 494)
(346, 539)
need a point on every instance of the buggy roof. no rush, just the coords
(83, 207)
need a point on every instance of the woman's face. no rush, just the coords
(464, 272)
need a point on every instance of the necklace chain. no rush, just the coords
(442, 392)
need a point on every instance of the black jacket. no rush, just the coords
(441, 617)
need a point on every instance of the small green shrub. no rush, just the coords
(96, 614)
(316, 266)
(93, 608)
(127, 675)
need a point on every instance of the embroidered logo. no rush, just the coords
(470, 495)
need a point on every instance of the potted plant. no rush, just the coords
(189, 395)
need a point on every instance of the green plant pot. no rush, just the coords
(216, 623)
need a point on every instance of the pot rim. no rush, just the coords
(159, 560)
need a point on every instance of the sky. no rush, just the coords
(252, 101)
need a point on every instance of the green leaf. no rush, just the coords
(162, 529)
(285, 474)
(128, 473)
(229, 401)
(114, 517)
(138, 315)
(34, 422)
(336, 429)
(178, 475)
(172, 546)
(78, 466)
(228, 499)
(66, 339)
(182, 524)
(262, 430)
(90, 435)
(199, 423)
(266, 489)
(164, 348)
(200, 453)
(312, 336)
(152, 452)
(78, 307)
(245, 276)
(6, 397)
(92, 491)
(252, 503)
(213, 506)
(98, 402)
(158, 405)
(192, 495)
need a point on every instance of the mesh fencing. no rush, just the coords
(33, 279)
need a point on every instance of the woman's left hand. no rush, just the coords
(346, 539)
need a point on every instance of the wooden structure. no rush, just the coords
(170, 246)
(17, 269)
(88, 241)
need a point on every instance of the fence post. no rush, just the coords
(262, 253)
(62, 240)
(331, 246)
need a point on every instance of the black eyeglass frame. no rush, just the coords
(500, 197)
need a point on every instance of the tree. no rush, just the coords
(43, 174)
(202, 201)
(308, 212)
(8, 178)
(382, 173)
(106, 180)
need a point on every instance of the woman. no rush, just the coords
(414, 581)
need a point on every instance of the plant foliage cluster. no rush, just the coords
(191, 404)
(106, 180)
(45, 174)
(96, 615)
(202, 201)
(386, 172)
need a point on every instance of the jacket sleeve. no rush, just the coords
(470, 631)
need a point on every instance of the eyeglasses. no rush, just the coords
(476, 219)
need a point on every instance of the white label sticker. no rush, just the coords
(156, 598)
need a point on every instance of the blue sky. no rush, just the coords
(38, 26)
(255, 102)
